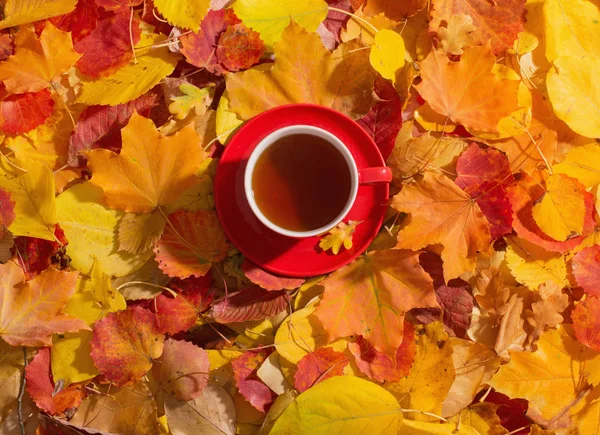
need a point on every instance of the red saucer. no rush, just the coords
(272, 251)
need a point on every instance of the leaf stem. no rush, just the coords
(135, 61)
(425, 413)
(127, 284)
(351, 15)
(21, 393)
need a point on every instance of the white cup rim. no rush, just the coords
(300, 129)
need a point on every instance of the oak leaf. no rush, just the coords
(143, 176)
(305, 72)
(338, 237)
(125, 344)
(370, 297)
(467, 91)
(191, 243)
(457, 34)
(267, 280)
(16, 12)
(317, 366)
(21, 113)
(442, 213)
(546, 311)
(499, 22)
(37, 61)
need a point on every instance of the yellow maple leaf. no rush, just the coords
(37, 62)
(441, 212)
(338, 236)
(17, 12)
(151, 170)
(186, 13)
(305, 72)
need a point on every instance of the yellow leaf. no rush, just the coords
(574, 95)
(359, 29)
(309, 291)
(305, 72)
(571, 28)
(71, 361)
(551, 377)
(412, 427)
(193, 98)
(144, 175)
(271, 17)
(37, 62)
(33, 193)
(132, 80)
(341, 405)
(482, 418)
(432, 121)
(227, 121)
(338, 236)
(183, 13)
(387, 53)
(90, 229)
(561, 212)
(582, 163)
(431, 374)
(17, 12)
(138, 232)
(532, 266)
(457, 34)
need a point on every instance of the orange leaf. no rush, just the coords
(267, 280)
(370, 297)
(7, 210)
(317, 366)
(586, 269)
(443, 213)
(22, 113)
(239, 47)
(252, 303)
(378, 366)
(152, 170)
(394, 9)
(586, 322)
(498, 21)
(125, 343)
(30, 312)
(183, 369)
(40, 386)
(467, 91)
(190, 243)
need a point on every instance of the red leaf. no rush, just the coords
(586, 269)
(20, 113)
(384, 120)
(80, 22)
(336, 20)
(239, 47)
(183, 370)
(586, 322)
(108, 47)
(116, 5)
(252, 303)
(200, 48)
(268, 281)
(511, 412)
(176, 314)
(376, 365)
(522, 196)
(317, 366)
(41, 387)
(98, 122)
(36, 255)
(125, 343)
(484, 174)
(250, 386)
(7, 210)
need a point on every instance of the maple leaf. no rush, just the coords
(183, 369)
(142, 177)
(586, 269)
(190, 243)
(32, 311)
(317, 366)
(457, 34)
(252, 303)
(37, 62)
(498, 22)
(17, 12)
(41, 388)
(80, 22)
(305, 72)
(108, 47)
(125, 344)
(377, 365)
(467, 91)
(442, 213)
(21, 113)
(338, 236)
(239, 48)
(370, 296)
(267, 280)
(254, 391)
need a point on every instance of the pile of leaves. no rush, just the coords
(125, 309)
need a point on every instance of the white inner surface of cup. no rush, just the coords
(287, 131)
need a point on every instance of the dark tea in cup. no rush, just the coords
(301, 182)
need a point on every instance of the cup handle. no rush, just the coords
(381, 174)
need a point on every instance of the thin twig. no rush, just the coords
(21, 393)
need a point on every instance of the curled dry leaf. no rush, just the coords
(125, 344)
(252, 303)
